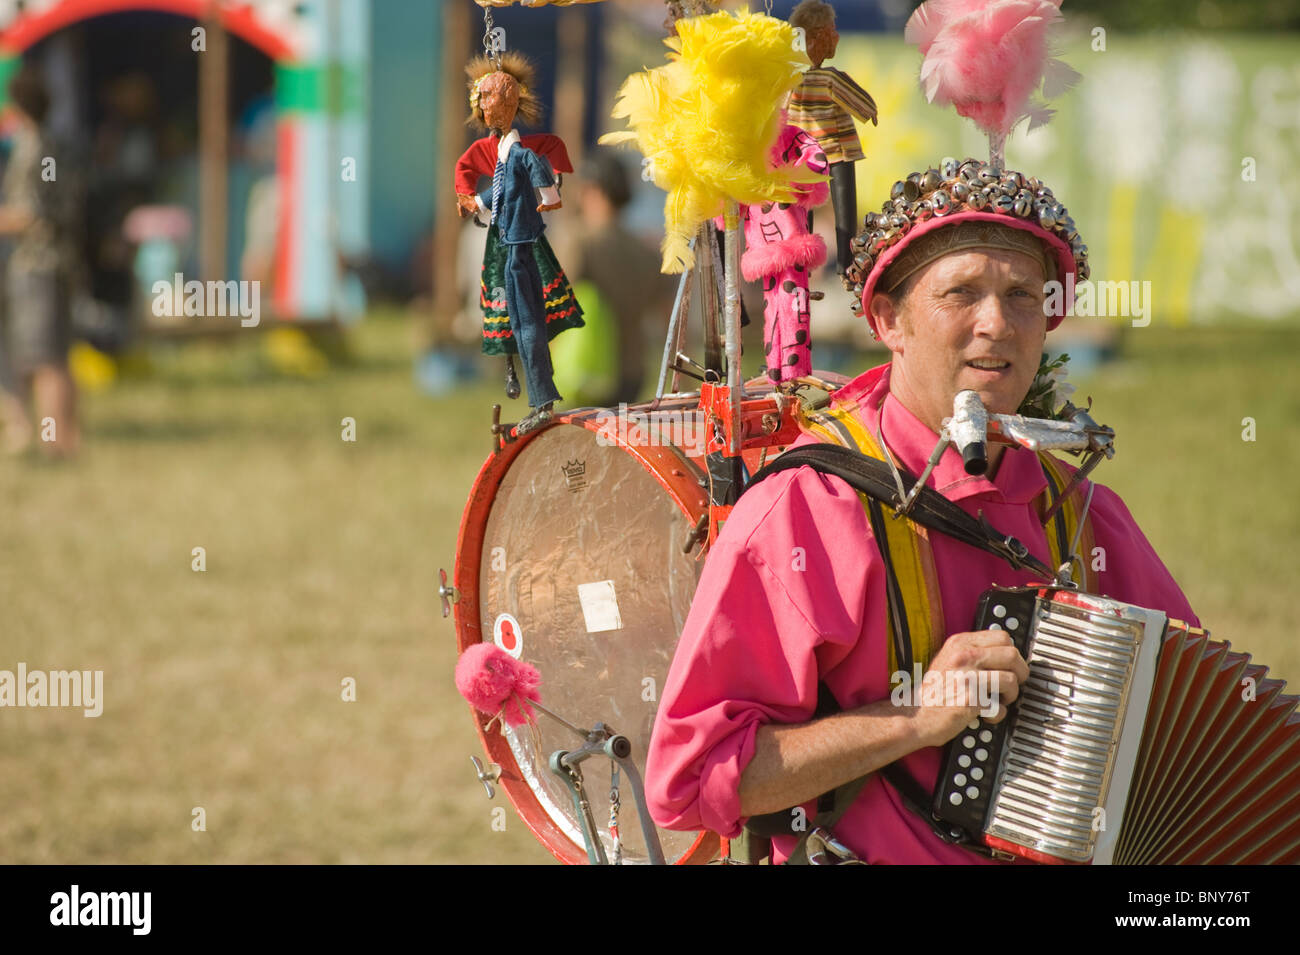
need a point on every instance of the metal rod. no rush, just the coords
(704, 262)
(681, 306)
(652, 846)
(560, 719)
(731, 278)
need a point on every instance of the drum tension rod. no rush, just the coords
(447, 595)
(694, 535)
(501, 432)
(487, 776)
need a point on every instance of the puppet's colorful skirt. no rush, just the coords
(562, 308)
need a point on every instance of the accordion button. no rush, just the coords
(959, 780)
(981, 754)
(963, 760)
(972, 793)
(999, 611)
(977, 774)
(995, 626)
(955, 799)
(1013, 624)
(968, 741)
(986, 736)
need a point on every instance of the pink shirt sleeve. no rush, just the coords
(773, 609)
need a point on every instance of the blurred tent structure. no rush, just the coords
(107, 59)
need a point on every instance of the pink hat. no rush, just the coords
(967, 192)
(987, 59)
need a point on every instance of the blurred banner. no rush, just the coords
(1174, 155)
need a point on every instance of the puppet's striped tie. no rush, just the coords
(498, 175)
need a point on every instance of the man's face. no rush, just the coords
(498, 97)
(971, 320)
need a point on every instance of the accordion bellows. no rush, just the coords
(1217, 779)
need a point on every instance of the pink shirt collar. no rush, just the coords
(1020, 476)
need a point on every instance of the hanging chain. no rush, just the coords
(613, 812)
(490, 45)
(768, 5)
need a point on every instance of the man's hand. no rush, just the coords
(968, 667)
(466, 205)
(548, 208)
(795, 763)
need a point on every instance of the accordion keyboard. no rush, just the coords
(971, 759)
(1060, 752)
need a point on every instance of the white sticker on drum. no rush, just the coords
(508, 635)
(599, 606)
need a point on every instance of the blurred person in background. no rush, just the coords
(618, 282)
(40, 211)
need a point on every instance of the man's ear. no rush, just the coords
(888, 321)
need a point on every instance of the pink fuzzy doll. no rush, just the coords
(781, 251)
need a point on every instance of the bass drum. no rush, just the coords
(578, 553)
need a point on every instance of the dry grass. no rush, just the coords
(222, 689)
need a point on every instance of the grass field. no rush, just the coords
(223, 688)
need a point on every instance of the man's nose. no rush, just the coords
(992, 319)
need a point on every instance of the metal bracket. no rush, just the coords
(486, 776)
(448, 595)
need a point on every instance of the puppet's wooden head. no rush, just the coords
(500, 91)
(817, 18)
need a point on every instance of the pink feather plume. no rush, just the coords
(987, 58)
(496, 683)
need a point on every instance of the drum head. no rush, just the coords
(581, 572)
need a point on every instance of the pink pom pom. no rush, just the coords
(987, 57)
(494, 682)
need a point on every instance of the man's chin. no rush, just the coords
(996, 399)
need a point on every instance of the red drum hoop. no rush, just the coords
(547, 501)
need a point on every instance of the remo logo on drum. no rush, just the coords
(507, 634)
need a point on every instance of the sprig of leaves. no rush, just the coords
(1050, 392)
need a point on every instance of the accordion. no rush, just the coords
(1135, 740)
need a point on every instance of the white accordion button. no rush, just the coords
(973, 725)
(972, 793)
(986, 736)
(995, 626)
(968, 741)
(981, 754)
(955, 799)
(977, 774)
(1013, 624)
(999, 611)
(963, 760)
(959, 780)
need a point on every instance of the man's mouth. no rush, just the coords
(988, 364)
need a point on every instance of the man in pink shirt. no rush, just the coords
(793, 591)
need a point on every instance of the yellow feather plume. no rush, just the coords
(707, 119)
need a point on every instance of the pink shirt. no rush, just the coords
(762, 632)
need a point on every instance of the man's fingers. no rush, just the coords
(1008, 685)
(1007, 659)
(997, 717)
(986, 638)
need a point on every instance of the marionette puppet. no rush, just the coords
(525, 295)
(824, 105)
